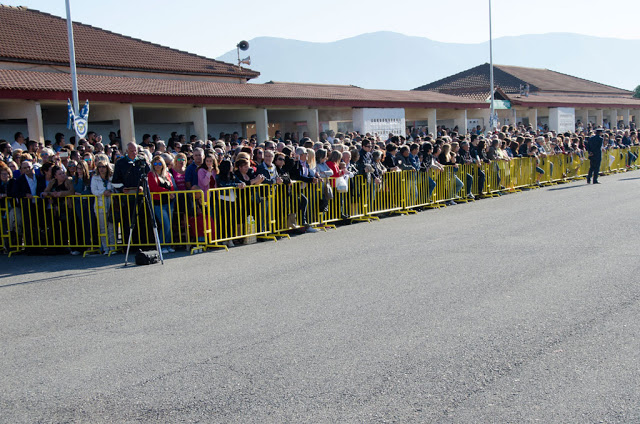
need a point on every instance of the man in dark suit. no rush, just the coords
(594, 147)
(29, 186)
(300, 171)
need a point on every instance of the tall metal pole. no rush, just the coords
(72, 60)
(491, 119)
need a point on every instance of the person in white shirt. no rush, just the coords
(102, 188)
(19, 142)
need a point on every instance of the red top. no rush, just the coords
(155, 187)
(336, 172)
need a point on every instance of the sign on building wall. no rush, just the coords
(382, 121)
(500, 104)
(562, 119)
(472, 123)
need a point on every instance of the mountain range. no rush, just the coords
(389, 60)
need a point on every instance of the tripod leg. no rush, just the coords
(144, 196)
(147, 195)
(132, 226)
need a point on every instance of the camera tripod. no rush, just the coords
(143, 197)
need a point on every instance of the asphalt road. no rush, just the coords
(522, 308)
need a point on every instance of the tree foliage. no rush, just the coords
(636, 92)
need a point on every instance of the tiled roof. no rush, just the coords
(31, 36)
(581, 101)
(19, 81)
(474, 81)
(547, 80)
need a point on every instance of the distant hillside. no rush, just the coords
(389, 60)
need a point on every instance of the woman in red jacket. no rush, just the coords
(160, 182)
(334, 164)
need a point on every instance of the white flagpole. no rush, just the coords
(492, 117)
(72, 60)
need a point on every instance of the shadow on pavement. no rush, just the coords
(569, 186)
(69, 266)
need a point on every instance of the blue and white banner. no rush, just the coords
(70, 115)
(81, 127)
(84, 113)
(79, 123)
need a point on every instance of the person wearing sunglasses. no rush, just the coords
(81, 180)
(102, 188)
(88, 158)
(160, 182)
(59, 216)
(71, 168)
(178, 171)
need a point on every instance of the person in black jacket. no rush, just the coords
(390, 158)
(28, 188)
(28, 184)
(126, 179)
(300, 171)
(7, 186)
(594, 147)
(481, 157)
(365, 159)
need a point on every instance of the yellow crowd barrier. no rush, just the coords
(385, 196)
(198, 220)
(239, 213)
(285, 208)
(347, 204)
(53, 223)
(180, 218)
(5, 233)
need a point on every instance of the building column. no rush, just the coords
(460, 121)
(613, 119)
(127, 124)
(532, 114)
(626, 117)
(31, 111)
(486, 114)
(122, 112)
(514, 116)
(599, 117)
(432, 122)
(34, 122)
(198, 115)
(636, 115)
(262, 124)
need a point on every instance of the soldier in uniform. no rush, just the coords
(594, 147)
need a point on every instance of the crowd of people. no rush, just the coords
(57, 169)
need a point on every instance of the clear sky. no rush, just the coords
(213, 27)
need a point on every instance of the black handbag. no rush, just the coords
(147, 258)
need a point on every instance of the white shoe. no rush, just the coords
(75, 252)
(229, 243)
(311, 230)
(165, 250)
(171, 250)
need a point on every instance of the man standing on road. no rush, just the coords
(594, 147)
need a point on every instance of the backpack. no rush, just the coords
(147, 258)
